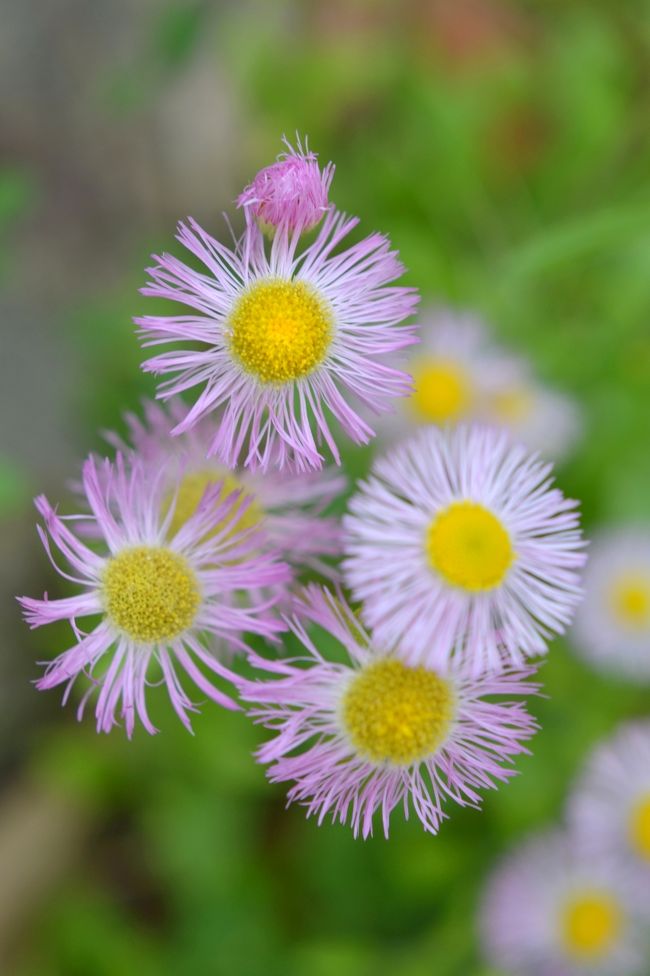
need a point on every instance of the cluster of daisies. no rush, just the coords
(389, 654)
(576, 901)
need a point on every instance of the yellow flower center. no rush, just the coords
(630, 599)
(511, 406)
(150, 593)
(393, 713)
(190, 493)
(280, 330)
(442, 390)
(590, 924)
(640, 827)
(469, 547)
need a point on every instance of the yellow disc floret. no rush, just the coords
(630, 599)
(190, 493)
(151, 593)
(469, 547)
(590, 924)
(640, 827)
(442, 391)
(280, 330)
(393, 713)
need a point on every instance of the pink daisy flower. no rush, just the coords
(155, 594)
(612, 627)
(609, 809)
(373, 733)
(284, 338)
(292, 191)
(549, 910)
(289, 506)
(457, 543)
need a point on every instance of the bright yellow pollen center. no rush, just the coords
(513, 405)
(469, 547)
(442, 390)
(150, 593)
(630, 599)
(590, 923)
(393, 713)
(280, 330)
(190, 493)
(640, 828)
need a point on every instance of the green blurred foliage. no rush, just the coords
(14, 488)
(512, 182)
(18, 192)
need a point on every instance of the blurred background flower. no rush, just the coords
(612, 627)
(504, 148)
(551, 908)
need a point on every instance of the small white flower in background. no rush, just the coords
(551, 910)
(460, 374)
(454, 368)
(541, 418)
(610, 806)
(612, 627)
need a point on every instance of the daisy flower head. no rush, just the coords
(281, 340)
(289, 506)
(364, 736)
(612, 627)
(548, 910)
(292, 191)
(458, 544)
(151, 595)
(609, 809)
